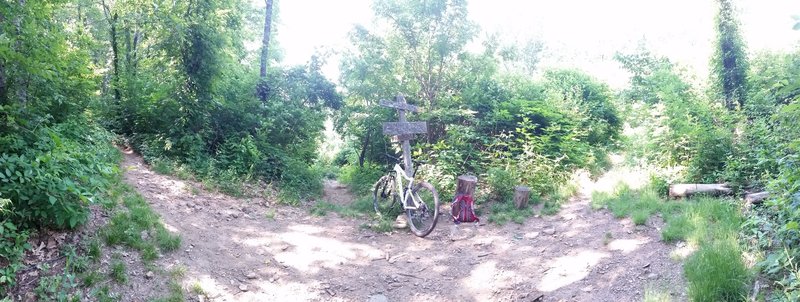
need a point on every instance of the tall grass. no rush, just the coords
(716, 271)
(625, 202)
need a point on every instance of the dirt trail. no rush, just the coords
(250, 250)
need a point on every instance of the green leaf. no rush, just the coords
(792, 225)
(52, 199)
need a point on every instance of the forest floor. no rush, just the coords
(254, 250)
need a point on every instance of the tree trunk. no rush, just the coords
(3, 85)
(261, 90)
(135, 62)
(3, 78)
(686, 190)
(521, 195)
(115, 58)
(364, 147)
(756, 198)
(466, 185)
(22, 90)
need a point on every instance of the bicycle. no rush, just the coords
(416, 196)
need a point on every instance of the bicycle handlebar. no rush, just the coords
(400, 159)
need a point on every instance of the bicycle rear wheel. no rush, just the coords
(423, 219)
(383, 196)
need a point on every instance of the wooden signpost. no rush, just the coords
(403, 130)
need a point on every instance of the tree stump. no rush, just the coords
(466, 185)
(521, 194)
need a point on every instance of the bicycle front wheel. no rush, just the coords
(423, 219)
(383, 196)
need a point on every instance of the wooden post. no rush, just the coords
(466, 185)
(521, 194)
(402, 129)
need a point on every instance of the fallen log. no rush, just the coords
(756, 198)
(686, 190)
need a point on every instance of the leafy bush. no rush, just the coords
(53, 173)
(361, 179)
(13, 243)
(501, 184)
(299, 181)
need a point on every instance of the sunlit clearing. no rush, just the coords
(306, 252)
(569, 269)
(485, 278)
(627, 245)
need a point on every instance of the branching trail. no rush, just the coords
(250, 250)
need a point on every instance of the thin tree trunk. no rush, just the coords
(135, 62)
(3, 85)
(3, 78)
(22, 90)
(115, 58)
(364, 147)
(261, 90)
(112, 22)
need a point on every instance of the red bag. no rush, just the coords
(463, 210)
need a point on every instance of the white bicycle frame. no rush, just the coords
(407, 192)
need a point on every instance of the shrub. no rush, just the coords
(13, 243)
(52, 175)
(501, 184)
(361, 179)
(299, 181)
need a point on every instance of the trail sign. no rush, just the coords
(402, 129)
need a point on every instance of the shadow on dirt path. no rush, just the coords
(251, 250)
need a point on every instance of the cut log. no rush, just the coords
(686, 190)
(466, 185)
(521, 194)
(756, 198)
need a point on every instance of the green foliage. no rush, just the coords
(716, 272)
(773, 83)
(360, 179)
(139, 227)
(501, 184)
(503, 212)
(90, 279)
(61, 286)
(13, 243)
(360, 207)
(104, 294)
(118, 270)
(624, 201)
(703, 220)
(729, 62)
(678, 228)
(53, 173)
(652, 294)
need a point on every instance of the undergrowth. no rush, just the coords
(716, 270)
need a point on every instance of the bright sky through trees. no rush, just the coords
(576, 33)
